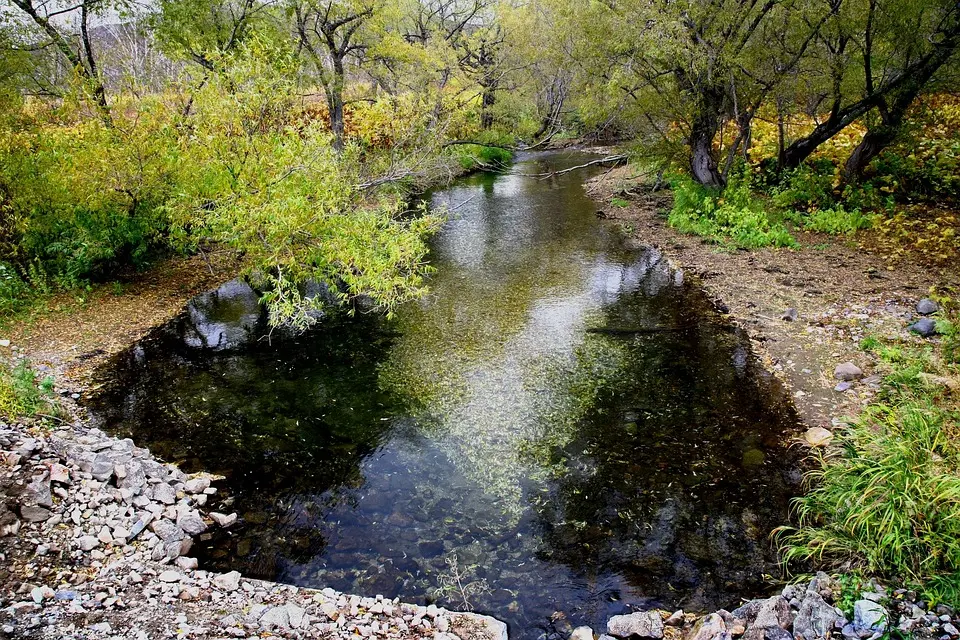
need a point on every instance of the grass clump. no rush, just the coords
(474, 156)
(887, 501)
(729, 217)
(22, 394)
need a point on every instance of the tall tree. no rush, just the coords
(331, 33)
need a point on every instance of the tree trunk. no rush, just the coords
(706, 122)
(335, 105)
(487, 101)
(874, 141)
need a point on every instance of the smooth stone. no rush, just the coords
(847, 372)
(924, 327)
(927, 306)
(169, 576)
(228, 582)
(818, 437)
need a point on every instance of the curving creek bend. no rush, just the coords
(564, 425)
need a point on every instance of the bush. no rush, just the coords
(474, 157)
(21, 395)
(835, 220)
(806, 187)
(732, 216)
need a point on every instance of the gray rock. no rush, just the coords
(816, 618)
(927, 306)
(924, 327)
(275, 618)
(582, 633)
(167, 531)
(32, 513)
(645, 624)
(88, 543)
(869, 616)
(228, 582)
(790, 315)
(223, 520)
(164, 493)
(847, 372)
(38, 493)
(170, 576)
(774, 614)
(135, 477)
(191, 522)
(102, 467)
(952, 630)
(197, 485)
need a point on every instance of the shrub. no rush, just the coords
(472, 157)
(835, 220)
(732, 216)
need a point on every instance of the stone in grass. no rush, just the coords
(927, 306)
(924, 327)
(790, 315)
(843, 386)
(847, 372)
(645, 624)
(818, 437)
(869, 616)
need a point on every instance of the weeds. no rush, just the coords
(732, 216)
(21, 394)
(456, 584)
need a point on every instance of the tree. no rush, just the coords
(330, 32)
(881, 55)
(52, 25)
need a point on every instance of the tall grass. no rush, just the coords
(887, 501)
(22, 394)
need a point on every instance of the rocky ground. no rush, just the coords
(820, 609)
(95, 540)
(806, 310)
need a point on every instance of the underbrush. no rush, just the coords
(886, 500)
(732, 217)
(22, 394)
(480, 156)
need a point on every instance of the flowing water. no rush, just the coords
(563, 425)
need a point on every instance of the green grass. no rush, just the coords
(472, 157)
(886, 502)
(835, 220)
(22, 394)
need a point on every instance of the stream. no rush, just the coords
(563, 430)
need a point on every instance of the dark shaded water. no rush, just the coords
(563, 418)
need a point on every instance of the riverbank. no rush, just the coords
(805, 310)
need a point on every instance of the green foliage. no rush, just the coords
(806, 187)
(733, 217)
(888, 502)
(21, 394)
(472, 157)
(835, 220)
(13, 289)
(619, 202)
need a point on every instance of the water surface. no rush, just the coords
(563, 422)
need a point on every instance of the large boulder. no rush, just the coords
(642, 624)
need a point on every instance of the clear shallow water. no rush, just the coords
(566, 418)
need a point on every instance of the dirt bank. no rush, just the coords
(841, 292)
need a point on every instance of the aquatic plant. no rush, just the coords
(458, 583)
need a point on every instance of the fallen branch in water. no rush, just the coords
(614, 159)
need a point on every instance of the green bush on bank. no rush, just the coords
(733, 216)
(887, 502)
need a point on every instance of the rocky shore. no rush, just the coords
(820, 609)
(95, 540)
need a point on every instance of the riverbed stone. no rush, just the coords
(924, 327)
(926, 306)
(869, 616)
(847, 372)
(816, 618)
(581, 633)
(773, 616)
(818, 437)
(711, 627)
(643, 624)
(191, 523)
(228, 582)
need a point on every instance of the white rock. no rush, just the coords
(88, 543)
(169, 576)
(228, 582)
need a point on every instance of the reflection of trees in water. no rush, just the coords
(654, 484)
